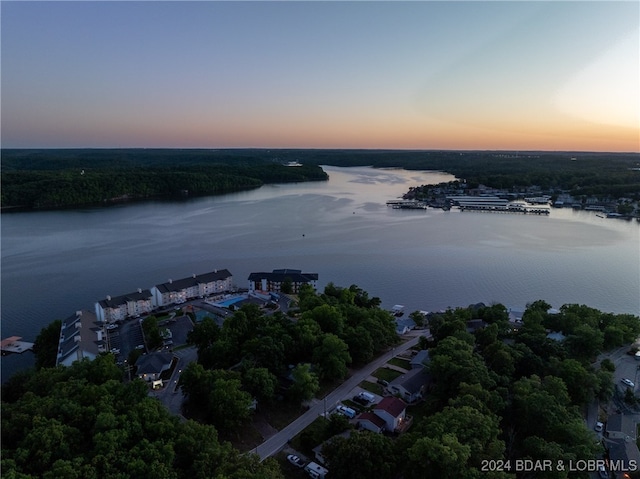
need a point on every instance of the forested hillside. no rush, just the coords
(63, 178)
(59, 178)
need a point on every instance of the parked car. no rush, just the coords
(346, 411)
(367, 396)
(599, 426)
(383, 382)
(295, 460)
(628, 382)
(360, 400)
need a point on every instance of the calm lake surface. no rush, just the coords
(54, 263)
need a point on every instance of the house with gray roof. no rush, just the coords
(81, 336)
(195, 286)
(151, 366)
(412, 385)
(421, 359)
(110, 310)
(272, 282)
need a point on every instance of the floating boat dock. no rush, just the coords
(15, 345)
(407, 204)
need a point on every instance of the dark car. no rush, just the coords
(360, 400)
(383, 382)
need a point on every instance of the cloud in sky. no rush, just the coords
(454, 75)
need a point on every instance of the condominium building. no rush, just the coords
(196, 286)
(119, 308)
(272, 282)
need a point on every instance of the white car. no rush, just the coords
(295, 460)
(599, 426)
(628, 382)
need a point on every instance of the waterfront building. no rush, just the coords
(272, 282)
(110, 310)
(81, 336)
(196, 286)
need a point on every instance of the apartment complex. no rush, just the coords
(119, 308)
(272, 282)
(196, 286)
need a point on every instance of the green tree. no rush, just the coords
(260, 383)
(362, 455)
(332, 356)
(151, 332)
(305, 383)
(45, 347)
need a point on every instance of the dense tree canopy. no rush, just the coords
(83, 422)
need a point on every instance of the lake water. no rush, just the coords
(54, 263)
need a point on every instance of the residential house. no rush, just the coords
(620, 426)
(392, 411)
(195, 286)
(421, 359)
(81, 336)
(272, 282)
(404, 325)
(622, 442)
(412, 385)
(115, 309)
(371, 422)
(151, 366)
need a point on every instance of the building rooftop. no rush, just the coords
(114, 302)
(392, 405)
(412, 380)
(194, 280)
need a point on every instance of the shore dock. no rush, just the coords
(14, 344)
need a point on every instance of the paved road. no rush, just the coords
(276, 442)
(170, 395)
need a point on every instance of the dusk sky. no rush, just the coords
(399, 75)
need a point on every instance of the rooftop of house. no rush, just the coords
(375, 420)
(392, 405)
(421, 359)
(413, 380)
(154, 363)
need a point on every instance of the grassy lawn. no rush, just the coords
(387, 374)
(280, 414)
(372, 387)
(422, 410)
(401, 363)
(327, 386)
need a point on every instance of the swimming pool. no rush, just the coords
(228, 302)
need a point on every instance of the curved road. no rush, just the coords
(276, 442)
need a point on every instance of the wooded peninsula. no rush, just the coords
(46, 179)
